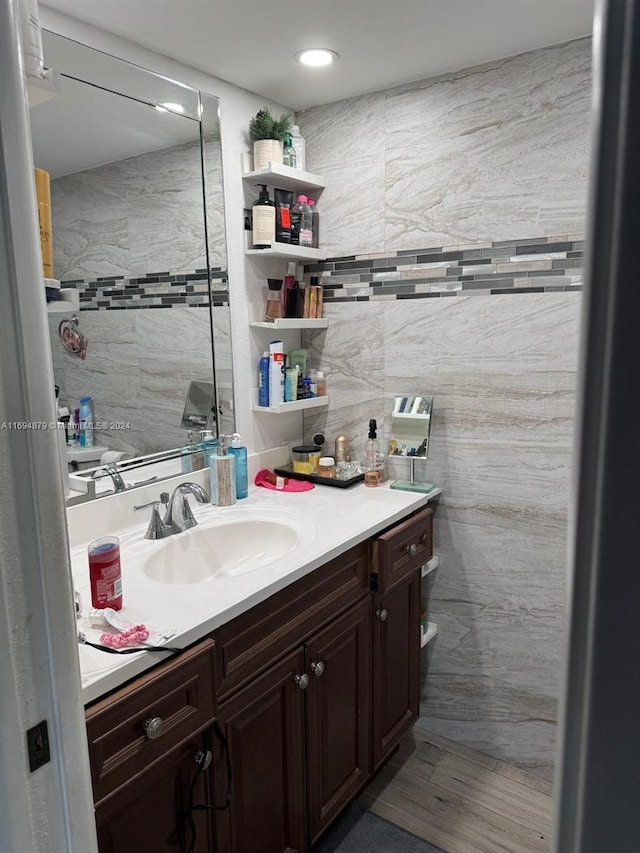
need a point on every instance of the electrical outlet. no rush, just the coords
(38, 745)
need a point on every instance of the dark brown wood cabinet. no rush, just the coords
(396, 665)
(312, 690)
(338, 715)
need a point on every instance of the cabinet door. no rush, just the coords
(263, 724)
(338, 705)
(144, 815)
(396, 664)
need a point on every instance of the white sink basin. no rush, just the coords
(224, 548)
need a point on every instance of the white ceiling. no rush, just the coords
(381, 43)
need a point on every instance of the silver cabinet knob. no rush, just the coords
(382, 614)
(317, 668)
(411, 550)
(302, 681)
(153, 727)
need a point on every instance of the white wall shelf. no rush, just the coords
(68, 304)
(285, 250)
(429, 634)
(291, 323)
(295, 406)
(283, 177)
(430, 566)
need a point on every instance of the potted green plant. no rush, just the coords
(268, 134)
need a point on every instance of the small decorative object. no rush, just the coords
(72, 338)
(268, 134)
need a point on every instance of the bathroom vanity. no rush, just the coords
(300, 691)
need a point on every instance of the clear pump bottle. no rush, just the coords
(374, 468)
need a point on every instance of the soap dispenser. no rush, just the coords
(374, 467)
(240, 454)
(223, 476)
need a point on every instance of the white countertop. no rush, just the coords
(336, 519)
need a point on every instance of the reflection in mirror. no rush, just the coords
(139, 248)
(409, 438)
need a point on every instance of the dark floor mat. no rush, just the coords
(359, 831)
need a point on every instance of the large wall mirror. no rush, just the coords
(139, 240)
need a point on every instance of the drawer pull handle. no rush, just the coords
(153, 727)
(382, 614)
(411, 550)
(302, 681)
(317, 668)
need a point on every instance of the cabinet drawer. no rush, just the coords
(400, 550)
(180, 693)
(254, 640)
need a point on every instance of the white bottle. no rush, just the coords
(297, 140)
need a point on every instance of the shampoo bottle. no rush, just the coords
(242, 474)
(264, 220)
(276, 373)
(263, 393)
(223, 476)
(86, 422)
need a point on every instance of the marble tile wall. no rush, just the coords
(503, 373)
(497, 152)
(138, 215)
(138, 368)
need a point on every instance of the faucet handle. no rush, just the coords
(157, 528)
(188, 518)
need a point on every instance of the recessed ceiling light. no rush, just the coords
(169, 107)
(317, 56)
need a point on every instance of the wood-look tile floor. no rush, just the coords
(461, 800)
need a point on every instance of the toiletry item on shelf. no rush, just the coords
(284, 202)
(86, 422)
(319, 295)
(273, 309)
(301, 234)
(295, 301)
(321, 384)
(223, 476)
(276, 373)
(342, 452)
(305, 458)
(264, 220)
(208, 444)
(327, 466)
(43, 192)
(239, 452)
(289, 157)
(374, 472)
(289, 281)
(105, 573)
(299, 145)
(263, 392)
(315, 222)
(291, 384)
(298, 358)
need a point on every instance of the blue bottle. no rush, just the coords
(263, 394)
(242, 472)
(86, 422)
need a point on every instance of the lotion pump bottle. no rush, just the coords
(242, 475)
(373, 460)
(264, 220)
(223, 476)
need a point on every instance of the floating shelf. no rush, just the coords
(284, 250)
(430, 566)
(428, 635)
(284, 177)
(68, 304)
(291, 323)
(296, 406)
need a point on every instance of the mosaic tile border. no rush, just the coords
(152, 290)
(535, 265)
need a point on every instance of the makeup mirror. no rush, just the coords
(409, 439)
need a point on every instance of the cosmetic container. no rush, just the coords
(239, 453)
(276, 373)
(374, 472)
(342, 449)
(223, 476)
(305, 459)
(264, 220)
(326, 466)
(274, 309)
(105, 573)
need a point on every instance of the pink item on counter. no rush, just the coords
(135, 635)
(271, 480)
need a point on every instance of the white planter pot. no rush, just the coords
(266, 151)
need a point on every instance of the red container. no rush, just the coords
(105, 574)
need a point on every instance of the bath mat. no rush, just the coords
(360, 831)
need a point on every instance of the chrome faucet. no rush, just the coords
(178, 516)
(112, 470)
